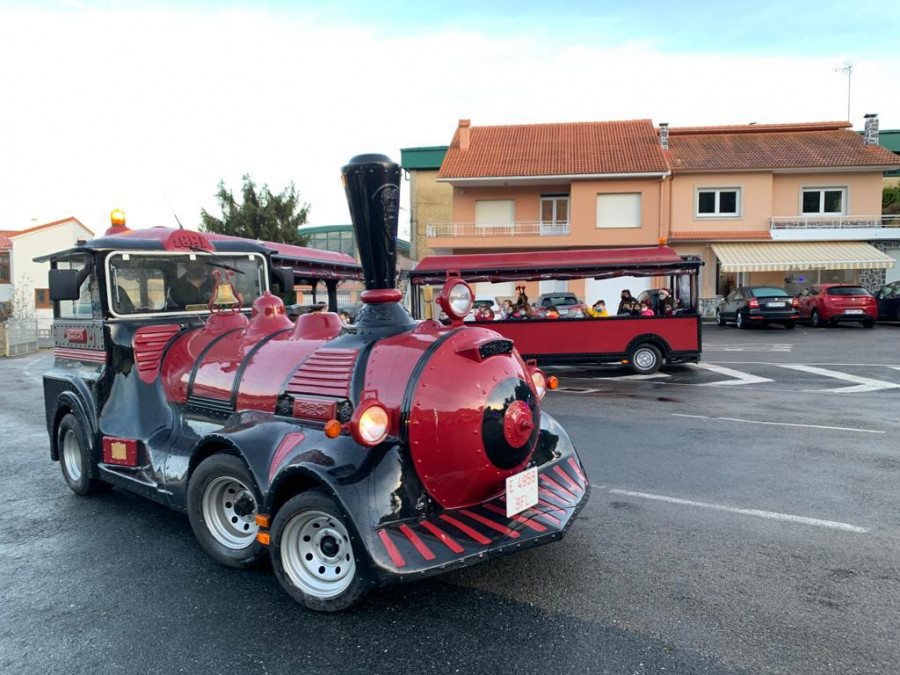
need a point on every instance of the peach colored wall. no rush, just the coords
(708, 271)
(582, 215)
(756, 201)
(863, 193)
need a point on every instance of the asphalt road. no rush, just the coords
(713, 543)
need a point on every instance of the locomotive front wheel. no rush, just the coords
(75, 457)
(646, 359)
(222, 508)
(313, 554)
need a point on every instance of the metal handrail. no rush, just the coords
(832, 222)
(519, 228)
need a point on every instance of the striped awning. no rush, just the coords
(779, 256)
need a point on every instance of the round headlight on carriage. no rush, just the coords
(540, 382)
(456, 298)
(369, 424)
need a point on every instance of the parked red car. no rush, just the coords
(833, 303)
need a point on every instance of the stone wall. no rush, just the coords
(429, 202)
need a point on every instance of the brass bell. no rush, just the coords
(224, 295)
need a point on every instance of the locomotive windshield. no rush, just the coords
(147, 283)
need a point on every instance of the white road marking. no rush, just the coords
(781, 424)
(778, 347)
(759, 513)
(739, 377)
(648, 376)
(863, 384)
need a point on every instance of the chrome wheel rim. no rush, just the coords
(815, 318)
(645, 359)
(738, 320)
(72, 455)
(229, 511)
(317, 555)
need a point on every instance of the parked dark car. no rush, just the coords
(566, 303)
(759, 305)
(888, 299)
(828, 304)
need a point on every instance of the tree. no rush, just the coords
(260, 215)
(890, 200)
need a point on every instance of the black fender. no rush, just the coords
(76, 398)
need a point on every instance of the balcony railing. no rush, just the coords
(517, 229)
(832, 222)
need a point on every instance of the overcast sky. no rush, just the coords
(127, 104)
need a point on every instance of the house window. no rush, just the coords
(42, 298)
(495, 212)
(824, 201)
(554, 210)
(617, 210)
(718, 202)
(4, 268)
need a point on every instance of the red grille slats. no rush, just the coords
(76, 354)
(552, 495)
(417, 542)
(519, 518)
(149, 343)
(502, 529)
(462, 527)
(567, 478)
(444, 538)
(578, 470)
(391, 549)
(327, 372)
(559, 488)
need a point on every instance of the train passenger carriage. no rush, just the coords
(644, 342)
(350, 456)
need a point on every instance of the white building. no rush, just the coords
(20, 276)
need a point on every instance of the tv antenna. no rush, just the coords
(847, 68)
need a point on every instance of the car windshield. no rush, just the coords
(141, 283)
(769, 292)
(847, 290)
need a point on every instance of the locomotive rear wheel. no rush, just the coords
(75, 457)
(222, 508)
(316, 556)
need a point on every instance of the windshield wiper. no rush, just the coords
(219, 262)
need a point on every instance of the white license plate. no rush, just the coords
(776, 304)
(853, 311)
(521, 491)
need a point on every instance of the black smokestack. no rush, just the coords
(372, 183)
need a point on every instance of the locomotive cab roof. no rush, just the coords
(306, 262)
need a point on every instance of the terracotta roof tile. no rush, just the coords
(719, 235)
(577, 148)
(773, 146)
(5, 242)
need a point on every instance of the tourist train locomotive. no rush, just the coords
(353, 456)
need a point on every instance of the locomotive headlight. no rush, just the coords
(460, 299)
(370, 424)
(456, 299)
(540, 382)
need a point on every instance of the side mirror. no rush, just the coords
(284, 277)
(65, 284)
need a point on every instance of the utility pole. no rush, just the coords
(847, 68)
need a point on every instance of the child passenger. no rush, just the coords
(645, 310)
(551, 312)
(598, 310)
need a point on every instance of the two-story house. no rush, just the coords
(546, 186)
(787, 204)
(781, 204)
(19, 274)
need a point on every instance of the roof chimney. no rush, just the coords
(664, 135)
(870, 135)
(464, 134)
